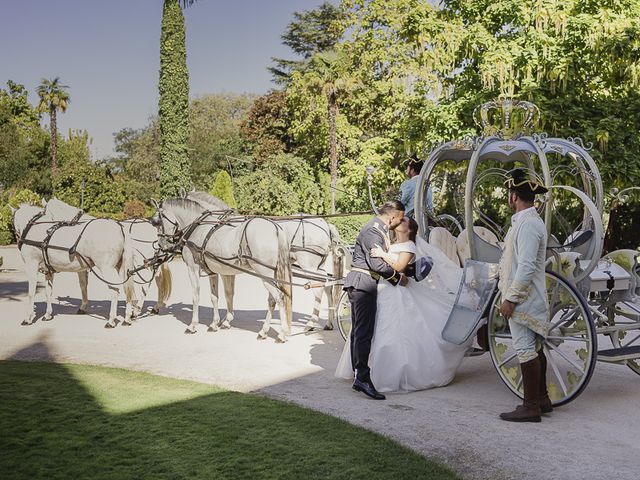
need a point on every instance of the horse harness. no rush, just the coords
(45, 245)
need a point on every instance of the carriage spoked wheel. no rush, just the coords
(570, 347)
(343, 315)
(623, 315)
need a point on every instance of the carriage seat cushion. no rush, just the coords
(442, 239)
(462, 242)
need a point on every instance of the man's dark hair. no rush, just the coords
(391, 206)
(524, 195)
(415, 165)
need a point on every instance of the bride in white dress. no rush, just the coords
(407, 351)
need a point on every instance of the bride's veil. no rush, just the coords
(445, 275)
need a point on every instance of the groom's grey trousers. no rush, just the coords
(363, 320)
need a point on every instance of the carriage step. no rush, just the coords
(614, 355)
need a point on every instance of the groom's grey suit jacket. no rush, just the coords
(372, 234)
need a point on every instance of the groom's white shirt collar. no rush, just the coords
(515, 218)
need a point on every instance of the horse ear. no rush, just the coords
(13, 210)
(183, 192)
(43, 202)
(154, 202)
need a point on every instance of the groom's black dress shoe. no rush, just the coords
(368, 389)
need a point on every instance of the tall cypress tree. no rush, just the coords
(174, 103)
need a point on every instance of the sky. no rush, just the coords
(107, 52)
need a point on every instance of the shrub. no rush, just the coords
(6, 225)
(134, 209)
(223, 188)
(25, 195)
(349, 227)
(282, 185)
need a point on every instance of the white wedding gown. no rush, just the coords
(407, 351)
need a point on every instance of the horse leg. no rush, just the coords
(48, 289)
(32, 276)
(315, 316)
(194, 277)
(271, 305)
(213, 284)
(83, 279)
(277, 297)
(331, 300)
(229, 283)
(111, 274)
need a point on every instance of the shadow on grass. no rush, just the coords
(72, 421)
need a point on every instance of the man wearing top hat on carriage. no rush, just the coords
(523, 290)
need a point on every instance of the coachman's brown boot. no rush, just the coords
(545, 402)
(529, 411)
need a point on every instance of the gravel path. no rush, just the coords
(594, 437)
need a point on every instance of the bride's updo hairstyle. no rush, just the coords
(413, 229)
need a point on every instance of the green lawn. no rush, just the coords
(72, 421)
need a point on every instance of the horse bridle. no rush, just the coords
(179, 237)
(171, 238)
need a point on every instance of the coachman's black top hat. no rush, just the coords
(519, 181)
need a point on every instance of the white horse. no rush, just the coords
(229, 246)
(228, 281)
(100, 245)
(316, 253)
(144, 240)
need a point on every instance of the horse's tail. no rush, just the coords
(283, 273)
(128, 265)
(164, 283)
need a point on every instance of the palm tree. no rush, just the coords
(53, 97)
(330, 75)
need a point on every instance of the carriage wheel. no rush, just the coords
(570, 347)
(624, 315)
(343, 314)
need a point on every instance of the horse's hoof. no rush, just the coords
(328, 327)
(309, 328)
(26, 322)
(212, 329)
(47, 318)
(188, 331)
(126, 323)
(109, 325)
(225, 325)
(154, 311)
(262, 337)
(281, 340)
(81, 311)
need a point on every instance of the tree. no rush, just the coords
(266, 128)
(215, 134)
(311, 32)
(281, 185)
(53, 97)
(329, 75)
(174, 101)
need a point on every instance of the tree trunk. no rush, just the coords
(54, 141)
(333, 146)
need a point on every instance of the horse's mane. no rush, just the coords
(209, 199)
(57, 209)
(25, 205)
(190, 206)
